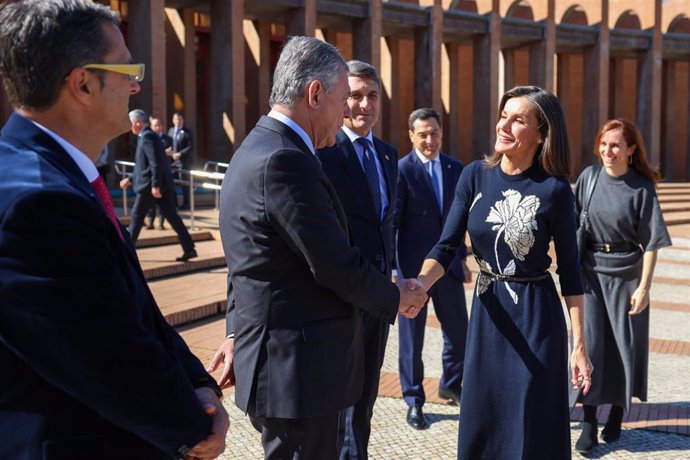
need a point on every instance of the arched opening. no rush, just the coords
(575, 15)
(628, 20)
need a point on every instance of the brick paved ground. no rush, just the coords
(657, 429)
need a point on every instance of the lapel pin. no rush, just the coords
(386, 157)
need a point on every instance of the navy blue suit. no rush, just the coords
(419, 223)
(373, 236)
(90, 368)
(297, 282)
(153, 170)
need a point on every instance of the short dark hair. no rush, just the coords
(41, 41)
(423, 113)
(363, 69)
(553, 153)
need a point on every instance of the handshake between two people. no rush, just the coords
(413, 297)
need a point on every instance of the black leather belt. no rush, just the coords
(625, 246)
(516, 279)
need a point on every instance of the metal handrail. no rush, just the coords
(214, 177)
(216, 165)
(121, 169)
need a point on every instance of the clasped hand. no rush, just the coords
(412, 297)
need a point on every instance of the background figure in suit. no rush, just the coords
(153, 184)
(90, 369)
(297, 280)
(158, 128)
(369, 204)
(182, 151)
(423, 203)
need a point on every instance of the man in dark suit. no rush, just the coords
(90, 369)
(153, 184)
(426, 186)
(298, 282)
(369, 204)
(182, 150)
(158, 128)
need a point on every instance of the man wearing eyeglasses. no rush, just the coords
(90, 368)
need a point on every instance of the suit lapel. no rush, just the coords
(353, 167)
(420, 173)
(448, 188)
(385, 160)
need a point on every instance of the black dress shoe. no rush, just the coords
(447, 393)
(611, 431)
(415, 418)
(187, 255)
(588, 438)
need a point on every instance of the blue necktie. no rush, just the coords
(371, 173)
(435, 184)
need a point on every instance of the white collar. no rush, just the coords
(424, 159)
(353, 136)
(80, 158)
(281, 117)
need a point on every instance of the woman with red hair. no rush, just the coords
(624, 231)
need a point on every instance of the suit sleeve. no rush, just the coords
(154, 158)
(230, 311)
(187, 151)
(400, 202)
(304, 212)
(67, 310)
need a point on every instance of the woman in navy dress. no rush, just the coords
(513, 204)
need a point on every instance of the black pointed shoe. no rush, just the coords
(187, 255)
(588, 438)
(415, 418)
(447, 393)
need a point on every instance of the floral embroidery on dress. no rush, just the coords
(515, 217)
(476, 198)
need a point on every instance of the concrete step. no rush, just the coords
(677, 218)
(674, 206)
(195, 296)
(151, 238)
(159, 261)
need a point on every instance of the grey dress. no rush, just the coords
(622, 209)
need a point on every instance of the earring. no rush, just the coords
(629, 159)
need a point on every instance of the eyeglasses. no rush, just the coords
(135, 72)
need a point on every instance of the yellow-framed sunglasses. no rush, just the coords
(133, 71)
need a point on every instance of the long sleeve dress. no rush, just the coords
(515, 388)
(622, 209)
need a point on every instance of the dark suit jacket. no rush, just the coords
(297, 280)
(89, 367)
(185, 146)
(152, 166)
(419, 222)
(344, 170)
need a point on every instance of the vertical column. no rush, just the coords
(146, 39)
(596, 83)
(301, 21)
(263, 28)
(649, 90)
(366, 35)
(542, 53)
(226, 81)
(191, 118)
(485, 84)
(451, 129)
(508, 57)
(427, 57)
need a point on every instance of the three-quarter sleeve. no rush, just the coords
(562, 221)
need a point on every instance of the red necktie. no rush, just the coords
(104, 197)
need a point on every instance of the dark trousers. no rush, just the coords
(315, 438)
(448, 295)
(357, 426)
(145, 201)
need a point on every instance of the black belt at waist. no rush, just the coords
(625, 246)
(516, 279)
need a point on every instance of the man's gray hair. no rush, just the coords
(139, 115)
(363, 70)
(303, 60)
